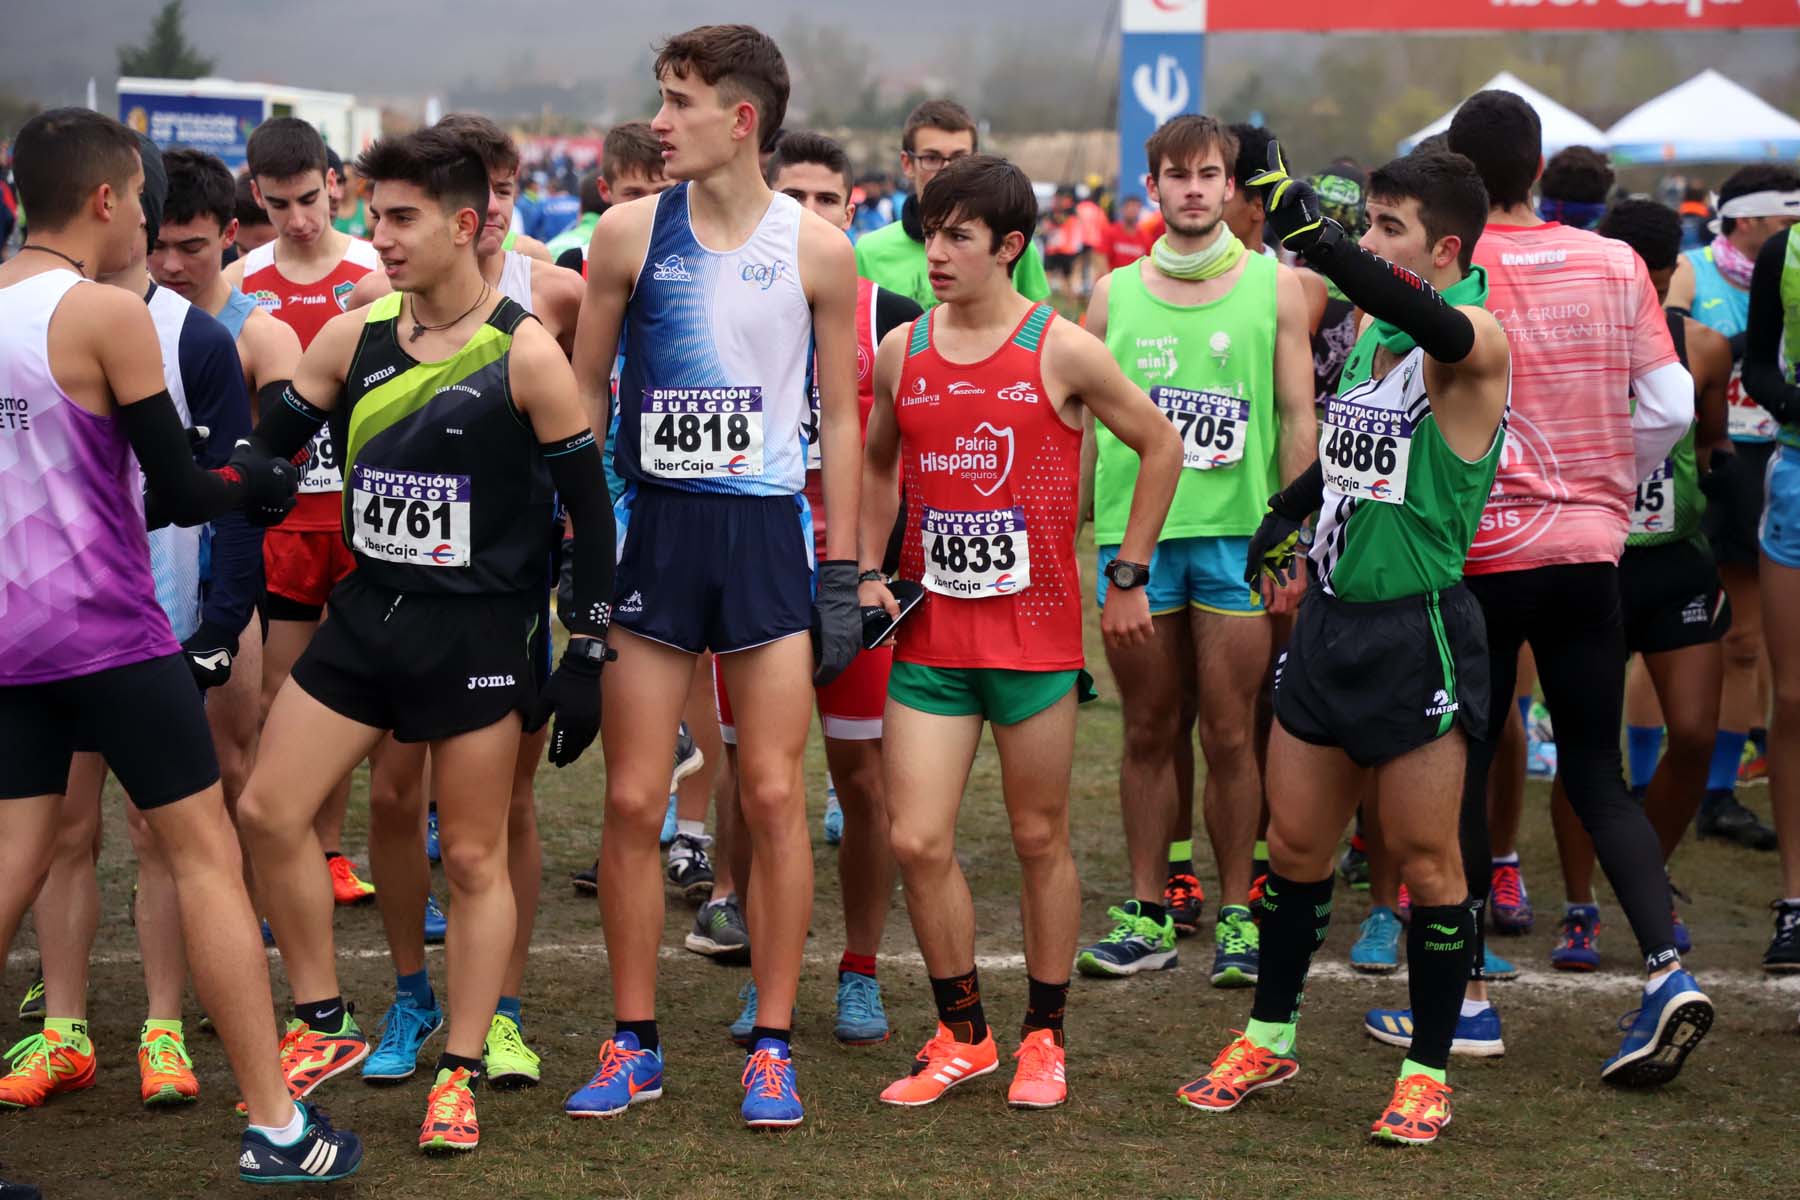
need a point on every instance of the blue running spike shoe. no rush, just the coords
(861, 1019)
(770, 1101)
(746, 1019)
(1660, 1035)
(1237, 948)
(1477, 1036)
(433, 852)
(1137, 943)
(834, 815)
(1579, 947)
(628, 1075)
(436, 923)
(670, 828)
(404, 1032)
(322, 1154)
(1495, 967)
(1377, 946)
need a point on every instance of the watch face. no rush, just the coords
(1124, 574)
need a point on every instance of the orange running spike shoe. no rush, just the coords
(309, 1058)
(165, 1072)
(1416, 1115)
(346, 888)
(450, 1113)
(43, 1065)
(1039, 1081)
(1242, 1067)
(943, 1063)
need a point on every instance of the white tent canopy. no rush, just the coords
(1562, 127)
(1707, 119)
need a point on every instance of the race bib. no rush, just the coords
(1364, 450)
(1745, 419)
(974, 554)
(411, 517)
(1654, 509)
(1211, 425)
(323, 472)
(701, 433)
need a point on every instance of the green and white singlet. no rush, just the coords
(1210, 368)
(1400, 506)
(445, 488)
(1669, 503)
(1790, 331)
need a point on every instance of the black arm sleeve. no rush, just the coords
(288, 422)
(580, 479)
(185, 494)
(1762, 377)
(1303, 497)
(1393, 294)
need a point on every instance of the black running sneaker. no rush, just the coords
(587, 879)
(689, 870)
(1783, 954)
(1722, 817)
(720, 933)
(322, 1154)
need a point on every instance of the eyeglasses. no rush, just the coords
(931, 160)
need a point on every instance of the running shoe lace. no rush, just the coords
(1417, 1095)
(507, 1033)
(857, 1001)
(32, 1052)
(450, 1098)
(167, 1055)
(1239, 936)
(1037, 1058)
(409, 1020)
(1243, 1057)
(1506, 886)
(767, 1072)
(1128, 926)
(613, 1059)
(941, 1046)
(1180, 889)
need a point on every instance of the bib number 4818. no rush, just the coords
(690, 433)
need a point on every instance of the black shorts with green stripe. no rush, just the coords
(1378, 680)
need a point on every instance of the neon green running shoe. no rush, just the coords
(1237, 948)
(506, 1059)
(31, 1008)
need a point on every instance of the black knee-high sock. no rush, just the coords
(1439, 943)
(1295, 918)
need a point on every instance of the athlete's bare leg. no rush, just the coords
(925, 767)
(1781, 596)
(67, 910)
(1420, 795)
(1742, 701)
(1184, 760)
(771, 746)
(1506, 786)
(1315, 789)
(306, 749)
(158, 924)
(865, 864)
(646, 690)
(1150, 681)
(1232, 654)
(1384, 869)
(1036, 756)
(524, 856)
(693, 795)
(397, 861)
(731, 847)
(28, 828)
(234, 713)
(472, 773)
(285, 644)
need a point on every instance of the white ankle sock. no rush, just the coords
(1474, 1008)
(285, 1135)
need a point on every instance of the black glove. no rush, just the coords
(197, 436)
(837, 620)
(209, 651)
(1275, 548)
(572, 696)
(565, 583)
(1290, 205)
(270, 484)
(1723, 478)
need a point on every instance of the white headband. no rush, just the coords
(1762, 204)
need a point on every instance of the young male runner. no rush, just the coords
(85, 395)
(459, 420)
(722, 289)
(304, 278)
(206, 610)
(936, 132)
(1712, 284)
(396, 800)
(1217, 334)
(1588, 335)
(1772, 337)
(815, 171)
(976, 408)
(1675, 609)
(1385, 673)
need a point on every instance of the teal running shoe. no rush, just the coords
(404, 1032)
(861, 1019)
(1377, 947)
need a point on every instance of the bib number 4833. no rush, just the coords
(974, 554)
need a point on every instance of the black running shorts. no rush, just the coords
(1379, 680)
(422, 665)
(1731, 519)
(1671, 597)
(145, 718)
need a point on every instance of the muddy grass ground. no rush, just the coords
(1535, 1123)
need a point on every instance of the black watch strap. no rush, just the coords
(872, 576)
(592, 649)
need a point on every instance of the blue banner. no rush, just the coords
(219, 125)
(1159, 78)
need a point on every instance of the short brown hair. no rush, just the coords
(946, 115)
(982, 187)
(497, 150)
(630, 147)
(742, 61)
(440, 163)
(62, 155)
(284, 147)
(1184, 139)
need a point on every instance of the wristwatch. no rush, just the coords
(594, 649)
(1122, 574)
(872, 576)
